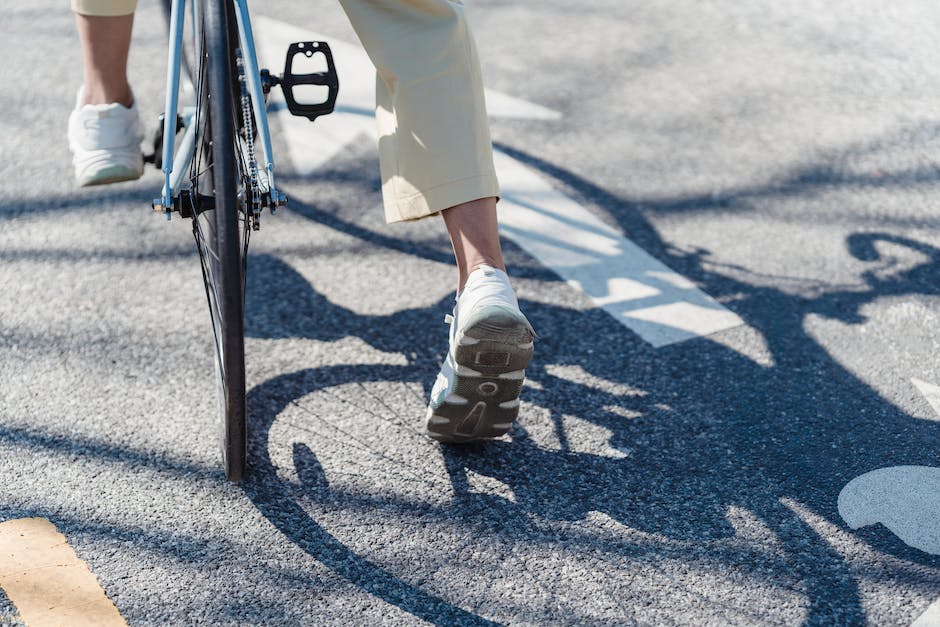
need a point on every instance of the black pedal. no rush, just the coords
(327, 79)
(156, 157)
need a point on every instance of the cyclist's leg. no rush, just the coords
(436, 156)
(476, 393)
(105, 41)
(474, 234)
(434, 147)
(104, 128)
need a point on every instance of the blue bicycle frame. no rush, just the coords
(176, 166)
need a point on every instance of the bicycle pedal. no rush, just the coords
(156, 157)
(290, 80)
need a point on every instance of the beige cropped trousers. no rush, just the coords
(435, 150)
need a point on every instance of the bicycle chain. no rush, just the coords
(255, 201)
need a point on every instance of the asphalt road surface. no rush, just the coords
(772, 165)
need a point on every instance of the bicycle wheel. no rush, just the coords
(219, 187)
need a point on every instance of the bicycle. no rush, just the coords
(212, 175)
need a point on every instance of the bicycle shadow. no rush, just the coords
(711, 430)
(296, 310)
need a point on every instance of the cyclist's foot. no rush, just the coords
(105, 143)
(476, 394)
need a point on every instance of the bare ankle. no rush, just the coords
(101, 94)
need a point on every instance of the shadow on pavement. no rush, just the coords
(711, 428)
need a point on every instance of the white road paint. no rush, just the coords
(639, 291)
(931, 392)
(930, 618)
(839, 541)
(659, 305)
(905, 499)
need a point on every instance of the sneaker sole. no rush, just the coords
(112, 174)
(491, 360)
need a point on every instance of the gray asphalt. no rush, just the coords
(783, 156)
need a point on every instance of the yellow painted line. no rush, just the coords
(46, 580)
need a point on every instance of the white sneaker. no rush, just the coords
(105, 143)
(476, 394)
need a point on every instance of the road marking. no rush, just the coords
(640, 292)
(930, 618)
(905, 499)
(863, 500)
(835, 537)
(46, 580)
(931, 392)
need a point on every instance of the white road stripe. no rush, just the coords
(657, 304)
(930, 618)
(660, 306)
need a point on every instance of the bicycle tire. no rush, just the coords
(220, 231)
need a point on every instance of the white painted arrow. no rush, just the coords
(659, 305)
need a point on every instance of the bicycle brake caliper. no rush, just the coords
(327, 79)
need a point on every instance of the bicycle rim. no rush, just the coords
(221, 232)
